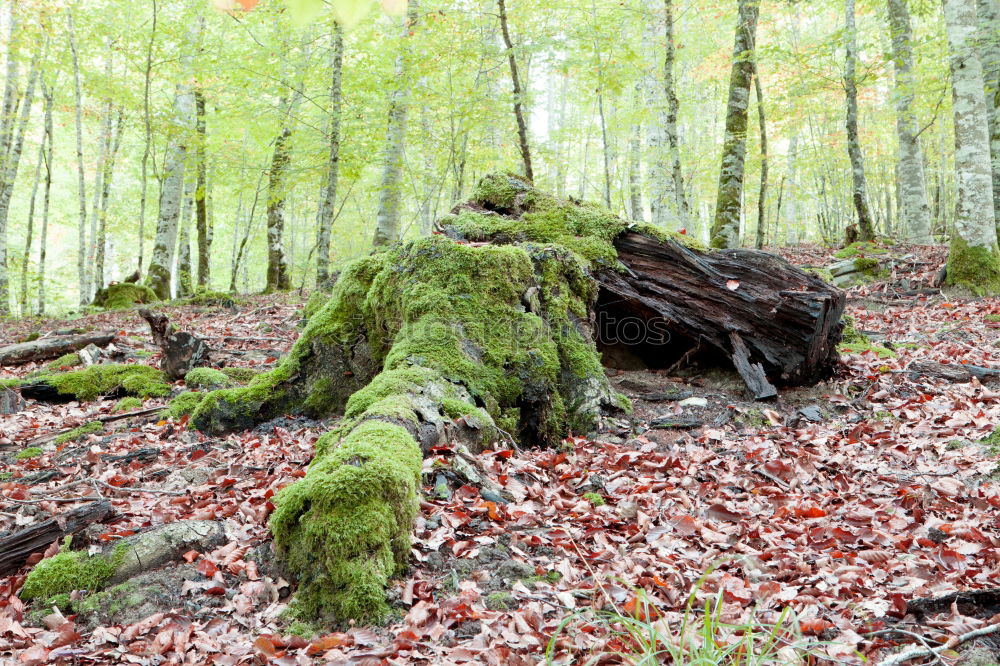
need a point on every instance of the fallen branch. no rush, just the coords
(107, 418)
(954, 641)
(44, 349)
(15, 548)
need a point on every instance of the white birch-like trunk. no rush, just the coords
(172, 188)
(989, 40)
(860, 191)
(661, 186)
(914, 210)
(387, 220)
(328, 197)
(635, 163)
(44, 235)
(683, 209)
(81, 246)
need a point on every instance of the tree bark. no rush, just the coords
(185, 285)
(387, 220)
(635, 163)
(172, 189)
(673, 110)
(914, 212)
(762, 194)
(974, 260)
(81, 257)
(989, 39)
(660, 184)
(43, 349)
(148, 138)
(106, 179)
(860, 191)
(47, 94)
(277, 264)
(522, 126)
(726, 227)
(202, 222)
(16, 547)
(328, 197)
(29, 234)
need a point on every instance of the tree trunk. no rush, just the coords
(44, 236)
(15, 548)
(29, 234)
(522, 127)
(148, 138)
(43, 349)
(387, 220)
(103, 151)
(201, 194)
(415, 353)
(914, 212)
(185, 285)
(172, 190)
(762, 195)
(277, 264)
(635, 163)
(102, 223)
(865, 224)
(973, 261)
(673, 110)
(726, 227)
(660, 185)
(81, 248)
(328, 197)
(989, 46)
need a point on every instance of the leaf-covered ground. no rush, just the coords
(843, 502)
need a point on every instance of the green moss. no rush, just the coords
(240, 375)
(850, 334)
(207, 378)
(128, 404)
(317, 299)
(142, 353)
(91, 428)
(823, 274)
(184, 404)
(501, 601)
(345, 528)
(65, 361)
(974, 268)
(137, 380)
(866, 346)
(10, 383)
(550, 577)
(867, 265)
(859, 249)
(303, 629)
(992, 319)
(124, 295)
(70, 570)
(209, 297)
(30, 452)
(594, 498)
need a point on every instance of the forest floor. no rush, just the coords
(845, 502)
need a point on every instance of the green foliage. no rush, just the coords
(90, 428)
(594, 498)
(10, 383)
(30, 452)
(128, 404)
(64, 361)
(137, 380)
(851, 335)
(124, 295)
(209, 297)
(207, 378)
(992, 319)
(70, 570)
(974, 268)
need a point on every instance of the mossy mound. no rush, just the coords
(28, 453)
(140, 381)
(70, 570)
(207, 378)
(124, 295)
(184, 404)
(976, 269)
(90, 428)
(65, 361)
(128, 404)
(860, 249)
(240, 375)
(209, 297)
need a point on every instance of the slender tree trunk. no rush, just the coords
(106, 179)
(185, 286)
(201, 194)
(47, 138)
(989, 40)
(866, 228)
(561, 142)
(973, 261)
(387, 220)
(81, 257)
(673, 110)
(914, 212)
(635, 163)
(148, 138)
(172, 189)
(277, 263)
(328, 196)
(29, 234)
(8, 176)
(660, 184)
(522, 127)
(762, 196)
(725, 229)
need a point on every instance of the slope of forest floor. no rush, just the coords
(844, 502)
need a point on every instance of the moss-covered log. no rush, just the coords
(483, 331)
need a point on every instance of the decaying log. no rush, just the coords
(957, 374)
(180, 351)
(10, 402)
(44, 349)
(16, 547)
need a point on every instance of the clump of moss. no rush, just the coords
(124, 295)
(317, 299)
(345, 528)
(850, 334)
(30, 452)
(992, 318)
(866, 346)
(137, 380)
(974, 268)
(302, 629)
(240, 375)
(91, 428)
(70, 570)
(823, 274)
(859, 249)
(184, 404)
(500, 601)
(594, 498)
(10, 383)
(65, 361)
(128, 404)
(867, 265)
(209, 297)
(207, 378)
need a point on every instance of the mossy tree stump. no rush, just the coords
(485, 330)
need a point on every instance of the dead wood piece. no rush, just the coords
(154, 548)
(145, 454)
(107, 418)
(16, 547)
(957, 374)
(181, 352)
(982, 604)
(44, 349)
(752, 373)
(10, 402)
(675, 423)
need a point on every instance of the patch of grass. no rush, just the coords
(64, 361)
(30, 452)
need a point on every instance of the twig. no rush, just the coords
(172, 493)
(781, 484)
(53, 499)
(953, 642)
(107, 418)
(911, 634)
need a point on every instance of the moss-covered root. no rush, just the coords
(124, 295)
(140, 381)
(344, 530)
(974, 268)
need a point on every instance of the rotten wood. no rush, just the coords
(16, 547)
(10, 402)
(956, 374)
(180, 351)
(44, 349)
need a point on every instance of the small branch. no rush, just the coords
(955, 641)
